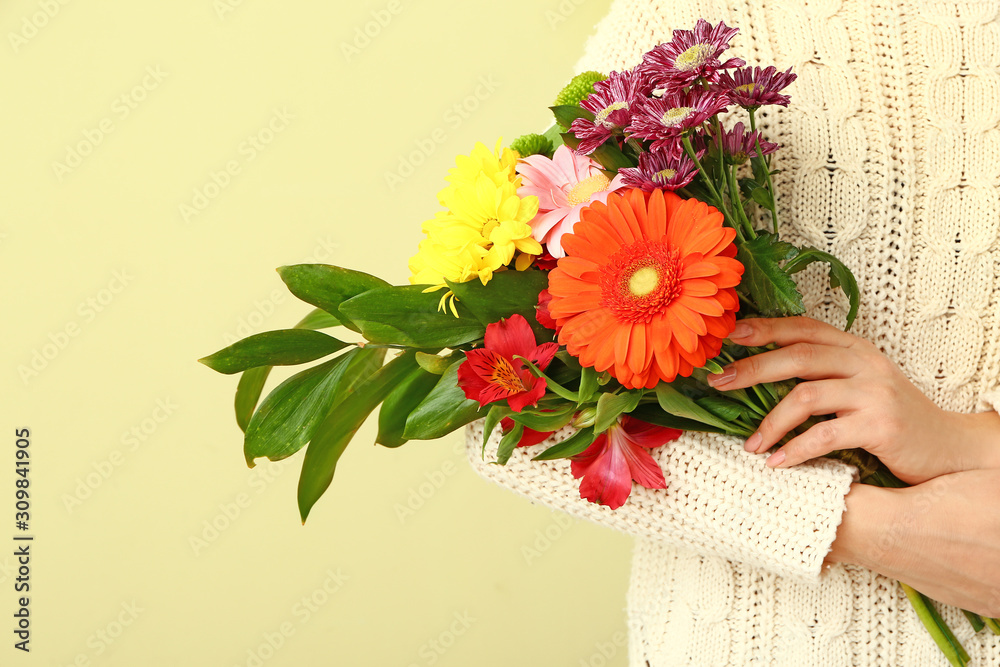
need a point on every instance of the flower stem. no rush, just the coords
(993, 624)
(938, 629)
(711, 185)
(975, 619)
(734, 197)
(767, 172)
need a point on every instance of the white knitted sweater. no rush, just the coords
(891, 159)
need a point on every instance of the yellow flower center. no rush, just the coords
(694, 57)
(664, 175)
(746, 88)
(587, 188)
(602, 116)
(644, 281)
(676, 116)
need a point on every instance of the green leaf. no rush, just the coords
(507, 293)
(611, 157)
(445, 409)
(575, 444)
(763, 197)
(318, 319)
(678, 404)
(565, 114)
(285, 347)
(493, 417)
(770, 288)
(327, 287)
(335, 432)
(289, 415)
(570, 140)
(654, 414)
(406, 315)
(433, 363)
(554, 134)
(248, 392)
(398, 405)
(611, 406)
(722, 408)
(508, 443)
(545, 421)
(588, 384)
(840, 276)
(252, 381)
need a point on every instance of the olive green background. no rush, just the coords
(159, 160)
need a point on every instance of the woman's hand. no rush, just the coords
(941, 537)
(877, 408)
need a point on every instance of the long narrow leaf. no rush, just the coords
(335, 432)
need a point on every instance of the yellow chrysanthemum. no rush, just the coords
(485, 227)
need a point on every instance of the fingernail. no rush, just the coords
(753, 442)
(727, 375)
(776, 459)
(742, 330)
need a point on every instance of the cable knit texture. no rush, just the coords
(890, 161)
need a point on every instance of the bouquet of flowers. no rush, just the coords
(590, 276)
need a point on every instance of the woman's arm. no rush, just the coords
(941, 537)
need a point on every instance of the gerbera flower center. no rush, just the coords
(676, 116)
(695, 57)
(640, 280)
(583, 191)
(601, 118)
(505, 376)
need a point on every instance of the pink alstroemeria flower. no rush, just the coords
(491, 373)
(617, 457)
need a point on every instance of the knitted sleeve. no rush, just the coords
(719, 500)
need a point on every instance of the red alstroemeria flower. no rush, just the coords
(542, 313)
(491, 373)
(529, 437)
(617, 457)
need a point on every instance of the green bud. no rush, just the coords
(584, 418)
(532, 144)
(577, 90)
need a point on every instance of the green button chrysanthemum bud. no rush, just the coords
(532, 144)
(579, 88)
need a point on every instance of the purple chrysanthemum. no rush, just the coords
(659, 171)
(612, 103)
(752, 88)
(739, 145)
(663, 120)
(689, 55)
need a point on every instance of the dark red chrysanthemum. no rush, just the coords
(492, 373)
(752, 88)
(660, 171)
(663, 120)
(689, 55)
(542, 313)
(612, 103)
(739, 145)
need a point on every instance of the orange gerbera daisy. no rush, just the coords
(647, 287)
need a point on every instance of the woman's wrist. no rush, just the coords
(979, 445)
(864, 526)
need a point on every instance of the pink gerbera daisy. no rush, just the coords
(663, 120)
(739, 145)
(619, 456)
(564, 185)
(689, 55)
(611, 103)
(659, 170)
(754, 88)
